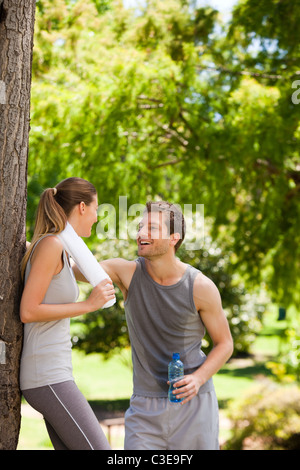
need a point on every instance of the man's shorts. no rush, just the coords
(157, 424)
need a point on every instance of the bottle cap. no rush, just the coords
(176, 356)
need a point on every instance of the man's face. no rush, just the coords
(153, 237)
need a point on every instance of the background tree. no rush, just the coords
(16, 41)
(262, 128)
(172, 103)
(169, 102)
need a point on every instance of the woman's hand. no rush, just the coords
(102, 293)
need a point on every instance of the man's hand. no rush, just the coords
(189, 387)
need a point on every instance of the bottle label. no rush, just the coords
(173, 381)
(172, 397)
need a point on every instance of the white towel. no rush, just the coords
(84, 258)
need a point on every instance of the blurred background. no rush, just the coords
(194, 102)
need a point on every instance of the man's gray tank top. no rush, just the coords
(47, 349)
(162, 320)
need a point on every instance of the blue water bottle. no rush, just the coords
(175, 373)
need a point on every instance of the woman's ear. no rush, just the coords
(81, 207)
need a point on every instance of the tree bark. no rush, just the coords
(16, 43)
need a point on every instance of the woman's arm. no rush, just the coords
(45, 263)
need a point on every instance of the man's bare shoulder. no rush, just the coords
(120, 270)
(119, 263)
(204, 282)
(205, 292)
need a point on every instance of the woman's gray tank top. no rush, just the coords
(162, 320)
(47, 349)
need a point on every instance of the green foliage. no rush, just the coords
(268, 418)
(171, 103)
(164, 103)
(270, 20)
(102, 5)
(287, 366)
(269, 216)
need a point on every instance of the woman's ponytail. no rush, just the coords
(50, 215)
(50, 218)
(55, 205)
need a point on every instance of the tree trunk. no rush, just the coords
(16, 42)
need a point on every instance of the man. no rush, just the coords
(168, 305)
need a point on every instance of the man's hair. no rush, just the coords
(174, 220)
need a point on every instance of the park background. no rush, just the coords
(195, 102)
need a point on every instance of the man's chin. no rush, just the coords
(143, 253)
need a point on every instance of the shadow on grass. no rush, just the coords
(105, 409)
(248, 370)
(253, 371)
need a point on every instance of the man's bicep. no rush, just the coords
(119, 270)
(216, 324)
(213, 315)
(111, 268)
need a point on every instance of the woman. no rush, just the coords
(48, 302)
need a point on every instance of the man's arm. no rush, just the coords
(208, 303)
(120, 271)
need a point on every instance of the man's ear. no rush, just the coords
(175, 237)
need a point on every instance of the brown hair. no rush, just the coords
(175, 221)
(55, 205)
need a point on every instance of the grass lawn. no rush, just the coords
(108, 384)
(240, 374)
(105, 383)
(103, 379)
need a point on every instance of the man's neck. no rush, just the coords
(165, 270)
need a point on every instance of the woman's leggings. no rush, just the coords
(71, 422)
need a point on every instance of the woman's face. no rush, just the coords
(88, 218)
